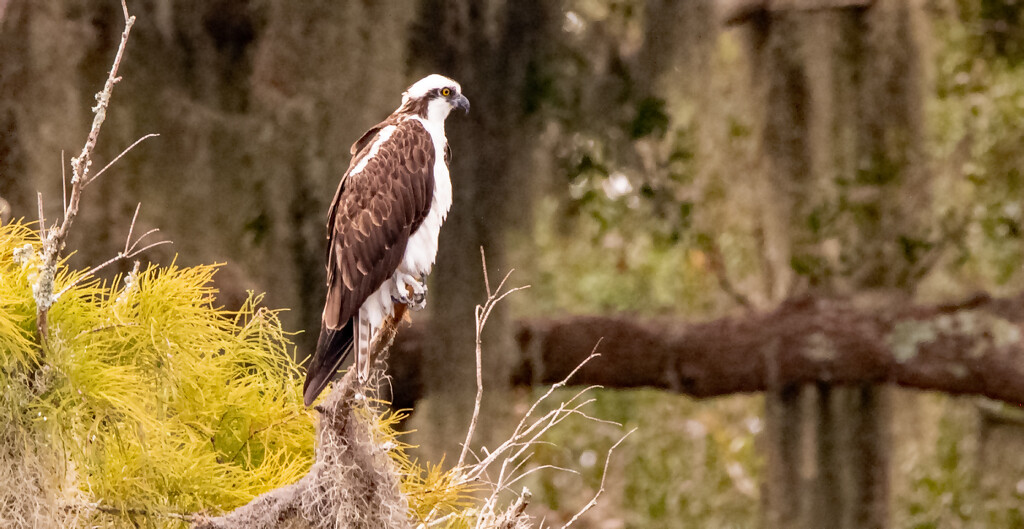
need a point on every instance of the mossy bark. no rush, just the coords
(843, 142)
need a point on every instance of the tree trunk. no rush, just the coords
(842, 139)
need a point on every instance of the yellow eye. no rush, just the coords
(446, 92)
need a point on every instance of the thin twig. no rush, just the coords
(487, 282)
(438, 521)
(479, 393)
(535, 469)
(131, 227)
(63, 182)
(118, 157)
(131, 249)
(604, 476)
(42, 218)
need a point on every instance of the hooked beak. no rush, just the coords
(461, 102)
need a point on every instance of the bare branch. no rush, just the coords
(136, 251)
(53, 240)
(80, 164)
(63, 182)
(487, 281)
(479, 384)
(536, 469)
(131, 227)
(482, 313)
(131, 250)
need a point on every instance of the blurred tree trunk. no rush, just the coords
(842, 141)
(497, 50)
(319, 81)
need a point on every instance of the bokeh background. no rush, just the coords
(653, 159)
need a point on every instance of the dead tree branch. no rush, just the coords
(53, 240)
(483, 312)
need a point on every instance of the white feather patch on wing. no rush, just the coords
(382, 136)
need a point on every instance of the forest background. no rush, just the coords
(654, 161)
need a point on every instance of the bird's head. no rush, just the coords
(433, 97)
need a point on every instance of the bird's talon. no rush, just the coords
(419, 298)
(410, 292)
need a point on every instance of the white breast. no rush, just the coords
(422, 248)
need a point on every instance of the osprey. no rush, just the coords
(383, 224)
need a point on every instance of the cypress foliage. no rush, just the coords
(146, 398)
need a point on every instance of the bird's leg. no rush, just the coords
(409, 291)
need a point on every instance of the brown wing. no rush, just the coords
(374, 213)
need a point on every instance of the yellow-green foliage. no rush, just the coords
(156, 399)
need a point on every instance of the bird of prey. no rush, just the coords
(383, 225)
